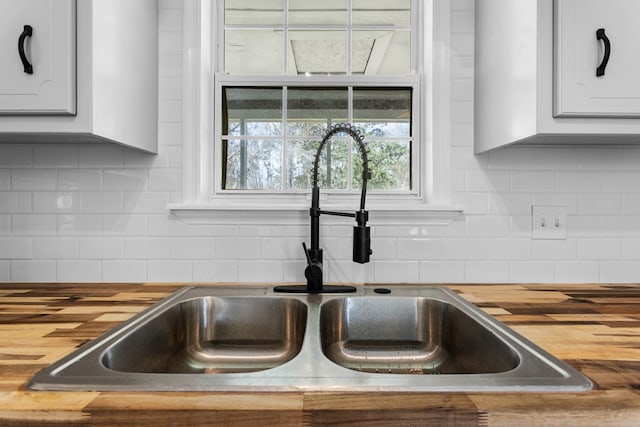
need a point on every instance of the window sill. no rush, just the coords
(297, 214)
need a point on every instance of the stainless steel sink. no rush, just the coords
(213, 335)
(410, 335)
(415, 338)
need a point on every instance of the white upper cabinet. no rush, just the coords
(37, 57)
(116, 76)
(597, 58)
(535, 73)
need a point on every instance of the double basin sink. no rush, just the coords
(405, 338)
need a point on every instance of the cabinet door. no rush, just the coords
(49, 87)
(578, 90)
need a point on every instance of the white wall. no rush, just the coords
(98, 212)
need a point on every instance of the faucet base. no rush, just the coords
(325, 289)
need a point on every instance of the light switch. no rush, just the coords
(549, 222)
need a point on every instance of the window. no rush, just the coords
(271, 100)
(264, 149)
(289, 69)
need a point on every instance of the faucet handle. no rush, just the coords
(313, 272)
(306, 253)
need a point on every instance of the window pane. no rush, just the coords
(310, 111)
(381, 52)
(314, 12)
(300, 155)
(317, 52)
(252, 111)
(251, 52)
(253, 164)
(382, 12)
(248, 12)
(333, 168)
(389, 163)
(382, 112)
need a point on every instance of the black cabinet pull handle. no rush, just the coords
(600, 35)
(27, 32)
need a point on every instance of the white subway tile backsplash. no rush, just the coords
(16, 156)
(533, 181)
(600, 158)
(419, 249)
(284, 249)
(577, 272)
(190, 248)
(240, 248)
(33, 271)
(55, 156)
(33, 179)
(165, 180)
(33, 224)
(578, 182)
(510, 203)
(486, 271)
(600, 204)
(79, 179)
(260, 271)
(85, 271)
(464, 249)
(554, 159)
(163, 225)
(101, 247)
(124, 179)
(15, 202)
(101, 201)
(215, 271)
(80, 225)
(12, 248)
(555, 249)
(619, 272)
(55, 248)
(170, 271)
(488, 226)
(396, 271)
(147, 248)
(630, 250)
(5, 180)
(600, 249)
(5, 271)
(125, 225)
(532, 272)
(442, 271)
(124, 271)
(509, 249)
(54, 202)
(98, 212)
(146, 202)
(100, 156)
(5, 225)
(488, 181)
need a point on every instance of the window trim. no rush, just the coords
(202, 204)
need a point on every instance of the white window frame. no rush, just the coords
(205, 202)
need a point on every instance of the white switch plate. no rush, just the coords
(549, 222)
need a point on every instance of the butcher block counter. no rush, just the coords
(595, 328)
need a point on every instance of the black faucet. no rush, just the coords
(361, 232)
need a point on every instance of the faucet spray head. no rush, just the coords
(362, 238)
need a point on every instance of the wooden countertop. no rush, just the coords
(595, 328)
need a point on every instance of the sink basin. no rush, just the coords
(410, 336)
(213, 335)
(413, 338)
